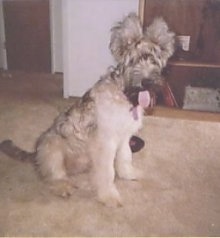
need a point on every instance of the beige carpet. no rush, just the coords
(179, 196)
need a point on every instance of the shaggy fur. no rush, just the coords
(95, 132)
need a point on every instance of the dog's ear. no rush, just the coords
(124, 35)
(159, 34)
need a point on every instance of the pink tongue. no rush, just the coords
(144, 99)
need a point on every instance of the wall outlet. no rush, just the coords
(184, 42)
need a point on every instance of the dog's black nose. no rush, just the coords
(147, 83)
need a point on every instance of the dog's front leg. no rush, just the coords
(104, 172)
(124, 167)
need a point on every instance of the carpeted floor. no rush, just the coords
(179, 195)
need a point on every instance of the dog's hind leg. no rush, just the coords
(124, 167)
(52, 168)
(103, 172)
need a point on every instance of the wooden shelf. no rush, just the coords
(198, 64)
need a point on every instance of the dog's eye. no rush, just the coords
(145, 56)
(153, 61)
(131, 62)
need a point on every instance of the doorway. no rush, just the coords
(27, 34)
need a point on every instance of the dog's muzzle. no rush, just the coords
(152, 85)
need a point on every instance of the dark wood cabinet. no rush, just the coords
(199, 19)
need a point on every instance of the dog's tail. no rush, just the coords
(10, 149)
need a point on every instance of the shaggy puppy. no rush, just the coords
(95, 132)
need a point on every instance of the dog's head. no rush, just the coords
(141, 54)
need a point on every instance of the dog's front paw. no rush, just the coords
(62, 188)
(110, 198)
(130, 173)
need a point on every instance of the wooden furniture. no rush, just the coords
(200, 66)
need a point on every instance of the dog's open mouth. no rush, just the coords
(144, 99)
(140, 96)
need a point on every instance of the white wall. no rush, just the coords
(3, 59)
(56, 35)
(86, 35)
